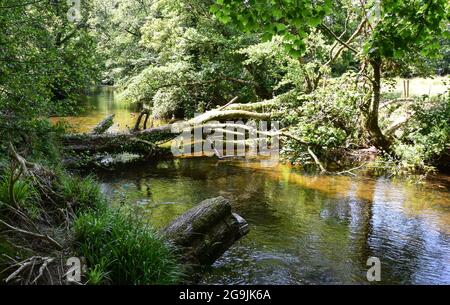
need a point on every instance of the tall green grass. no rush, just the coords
(23, 194)
(82, 193)
(121, 249)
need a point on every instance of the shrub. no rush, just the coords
(426, 137)
(329, 118)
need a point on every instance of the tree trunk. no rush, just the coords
(376, 135)
(136, 143)
(205, 232)
(104, 125)
(142, 142)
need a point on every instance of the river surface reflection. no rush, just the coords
(303, 229)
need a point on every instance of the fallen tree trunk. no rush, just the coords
(112, 144)
(142, 142)
(104, 125)
(258, 106)
(205, 232)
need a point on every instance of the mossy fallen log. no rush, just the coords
(112, 144)
(104, 125)
(144, 142)
(204, 233)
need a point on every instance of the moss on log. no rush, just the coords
(104, 125)
(205, 232)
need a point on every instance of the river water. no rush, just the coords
(304, 229)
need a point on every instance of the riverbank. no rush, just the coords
(54, 218)
(58, 220)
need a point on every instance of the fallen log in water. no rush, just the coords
(113, 144)
(104, 125)
(143, 142)
(205, 232)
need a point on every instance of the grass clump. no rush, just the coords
(81, 193)
(122, 249)
(18, 193)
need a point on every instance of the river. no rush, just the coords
(304, 229)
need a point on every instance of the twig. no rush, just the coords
(42, 268)
(350, 171)
(229, 103)
(15, 273)
(338, 38)
(316, 160)
(350, 40)
(32, 261)
(38, 235)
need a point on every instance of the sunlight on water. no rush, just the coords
(304, 229)
(99, 105)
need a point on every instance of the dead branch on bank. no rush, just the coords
(29, 267)
(33, 234)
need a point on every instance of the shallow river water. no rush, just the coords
(303, 229)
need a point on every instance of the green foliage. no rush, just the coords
(45, 62)
(117, 26)
(328, 118)
(425, 141)
(409, 28)
(188, 61)
(277, 71)
(291, 19)
(98, 274)
(124, 250)
(19, 192)
(120, 247)
(82, 194)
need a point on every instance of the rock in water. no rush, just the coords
(206, 231)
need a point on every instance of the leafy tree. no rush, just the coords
(388, 32)
(45, 61)
(194, 62)
(117, 26)
(405, 31)
(291, 19)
